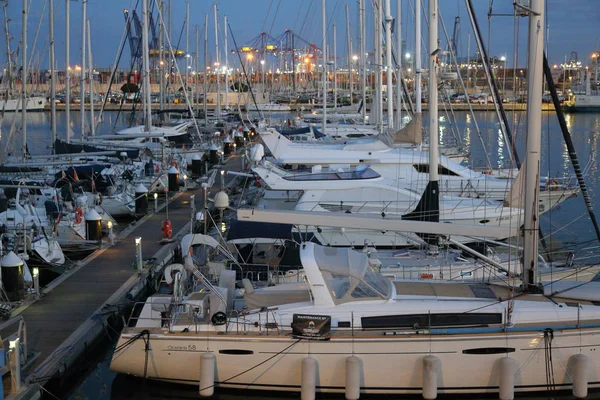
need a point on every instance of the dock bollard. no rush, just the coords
(353, 367)
(430, 377)
(141, 199)
(138, 254)
(207, 374)
(579, 368)
(507, 379)
(173, 176)
(309, 378)
(196, 166)
(93, 226)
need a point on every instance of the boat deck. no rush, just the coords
(63, 309)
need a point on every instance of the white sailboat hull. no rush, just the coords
(468, 364)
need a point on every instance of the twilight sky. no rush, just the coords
(575, 32)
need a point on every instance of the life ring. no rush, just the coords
(78, 215)
(156, 168)
(552, 184)
(174, 164)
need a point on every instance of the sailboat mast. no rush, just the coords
(334, 67)
(68, 68)
(399, 55)
(91, 79)
(324, 75)
(378, 39)
(82, 75)
(9, 74)
(418, 108)
(197, 69)
(217, 64)
(349, 50)
(187, 48)
(204, 88)
(390, 65)
(534, 131)
(52, 75)
(146, 67)
(161, 55)
(363, 76)
(24, 81)
(226, 65)
(433, 92)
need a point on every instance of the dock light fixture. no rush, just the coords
(222, 178)
(36, 281)
(15, 363)
(155, 202)
(111, 236)
(138, 253)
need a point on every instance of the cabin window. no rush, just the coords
(424, 168)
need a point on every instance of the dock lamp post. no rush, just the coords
(155, 202)
(222, 177)
(138, 253)
(14, 348)
(111, 236)
(36, 281)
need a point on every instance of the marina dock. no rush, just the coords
(73, 310)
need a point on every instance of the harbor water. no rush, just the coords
(567, 227)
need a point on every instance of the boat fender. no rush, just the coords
(247, 286)
(506, 379)
(78, 215)
(430, 377)
(219, 318)
(99, 199)
(309, 378)
(353, 374)
(579, 372)
(169, 272)
(207, 374)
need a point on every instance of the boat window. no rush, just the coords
(424, 168)
(334, 176)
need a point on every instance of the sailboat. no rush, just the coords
(361, 333)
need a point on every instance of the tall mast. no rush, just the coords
(378, 63)
(204, 86)
(399, 55)
(82, 75)
(68, 68)
(9, 74)
(24, 80)
(334, 67)
(161, 54)
(217, 65)
(197, 69)
(324, 76)
(226, 65)
(146, 66)
(534, 130)
(363, 61)
(349, 51)
(187, 48)
(91, 79)
(418, 96)
(390, 66)
(52, 75)
(433, 93)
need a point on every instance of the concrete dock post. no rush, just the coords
(36, 281)
(155, 202)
